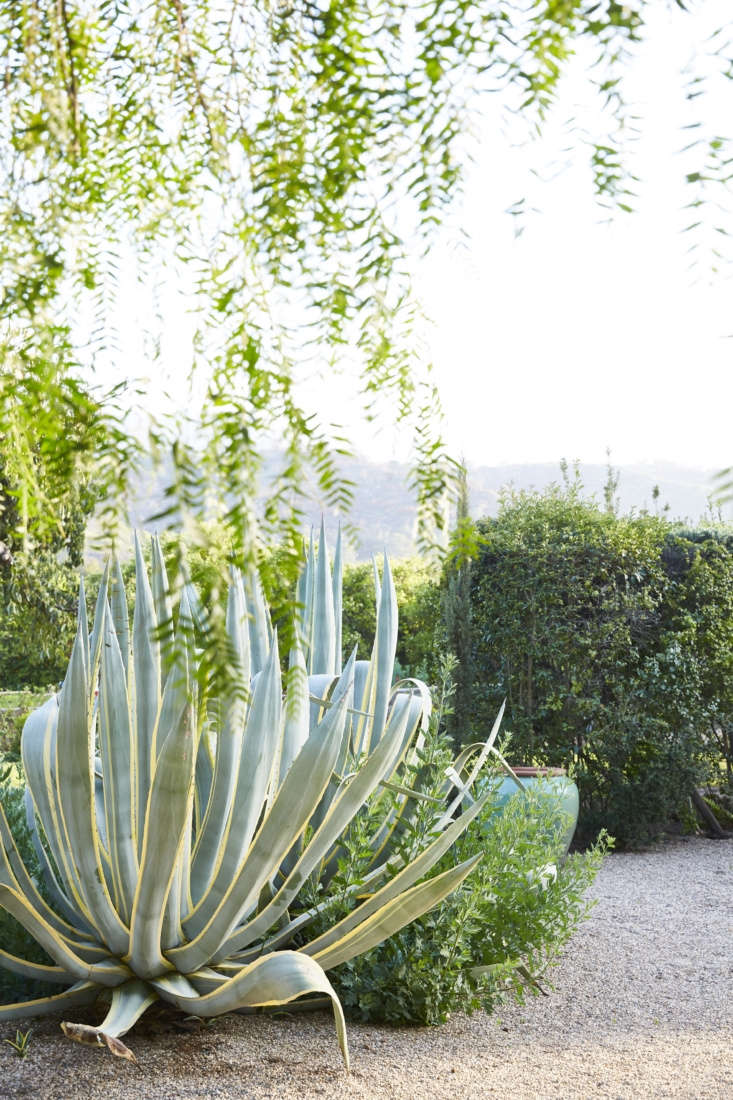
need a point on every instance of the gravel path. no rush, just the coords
(642, 1008)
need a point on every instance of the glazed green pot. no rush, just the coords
(554, 784)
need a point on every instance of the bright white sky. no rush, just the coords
(577, 336)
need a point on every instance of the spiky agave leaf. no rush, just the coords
(178, 882)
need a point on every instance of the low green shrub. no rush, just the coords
(15, 706)
(494, 937)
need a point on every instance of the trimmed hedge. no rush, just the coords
(611, 638)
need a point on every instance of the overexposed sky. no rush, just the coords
(578, 335)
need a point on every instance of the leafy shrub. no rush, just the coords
(15, 706)
(611, 638)
(494, 936)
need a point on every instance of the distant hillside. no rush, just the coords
(384, 511)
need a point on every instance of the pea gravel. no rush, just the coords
(642, 1008)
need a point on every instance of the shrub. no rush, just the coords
(495, 936)
(611, 638)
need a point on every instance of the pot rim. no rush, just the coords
(528, 772)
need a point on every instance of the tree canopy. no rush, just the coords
(280, 159)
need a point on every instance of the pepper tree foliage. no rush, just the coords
(280, 159)
(40, 552)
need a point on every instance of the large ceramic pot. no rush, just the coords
(554, 784)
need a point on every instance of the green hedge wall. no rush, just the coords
(611, 638)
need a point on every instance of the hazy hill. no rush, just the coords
(384, 511)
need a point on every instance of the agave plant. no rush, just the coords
(177, 830)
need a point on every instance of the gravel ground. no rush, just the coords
(642, 1008)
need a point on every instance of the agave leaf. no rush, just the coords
(147, 680)
(13, 873)
(228, 752)
(83, 626)
(205, 759)
(338, 583)
(238, 626)
(120, 614)
(353, 794)
(75, 787)
(476, 769)
(36, 972)
(397, 912)
(274, 980)
(58, 946)
(260, 629)
(257, 760)
(415, 870)
(324, 626)
(83, 993)
(179, 899)
(166, 819)
(95, 1037)
(385, 647)
(38, 751)
(309, 603)
(95, 640)
(286, 819)
(363, 702)
(119, 771)
(129, 1001)
(296, 711)
(163, 606)
(58, 897)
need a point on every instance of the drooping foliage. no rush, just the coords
(277, 163)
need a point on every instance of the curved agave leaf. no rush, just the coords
(401, 882)
(257, 761)
(38, 752)
(119, 768)
(394, 915)
(166, 819)
(129, 1001)
(147, 686)
(36, 972)
(82, 993)
(274, 980)
(58, 947)
(287, 817)
(75, 787)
